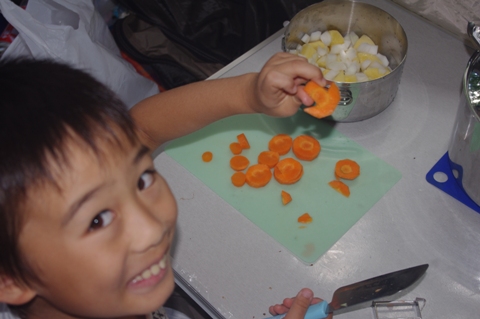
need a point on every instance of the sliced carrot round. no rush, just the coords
(238, 179)
(305, 218)
(258, 175)
(347, 169)
(236, 148)
(207, 156)
(239, 162)
(288, 171)
(306, 147)
(243, 141)
(326, 100)
(340, 187)
(286, 197)
(269, 158)
(280, 143)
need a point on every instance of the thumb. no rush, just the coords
(300, 304)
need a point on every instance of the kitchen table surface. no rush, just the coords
(236, 270)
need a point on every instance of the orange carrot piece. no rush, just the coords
(326, 100)
(243, 141)
(238, 179)
(239, 162)
(207, 156)
(269, 158)
(340, 187)
(236, 148)
(286, 197)
(280, 143)
(288, 171)
(305, 218)
(258, 175)
(306, 147)
(347, 169)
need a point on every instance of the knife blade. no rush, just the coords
(364, 291)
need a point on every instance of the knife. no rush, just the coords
(364, 291)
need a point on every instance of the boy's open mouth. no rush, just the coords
(153, 270)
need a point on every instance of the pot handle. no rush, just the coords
(346, 96)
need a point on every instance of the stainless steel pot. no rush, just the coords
(362, 100)
(464, 149)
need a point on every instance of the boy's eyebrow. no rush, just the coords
(143, 151)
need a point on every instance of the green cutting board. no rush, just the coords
(333, 214)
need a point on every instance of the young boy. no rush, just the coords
(86, 224)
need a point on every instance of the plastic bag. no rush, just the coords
(71, 31)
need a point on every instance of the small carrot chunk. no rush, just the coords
(238, 179)
(207, 156)
(236, 148)
(347, 169)
(280, 143)
(326, 100)
(258, 175)
(269, 158)
(286, 197)
(239, 162)
(288, 171)
(243, 141)
(305, 218)
(340, 187)
(306, 147)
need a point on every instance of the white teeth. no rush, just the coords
(153, 270)
(146, 274)
(163, 262)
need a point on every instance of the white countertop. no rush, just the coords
(236, 270)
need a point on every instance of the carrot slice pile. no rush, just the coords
(286, 197)
(236, 148)
(306, 147)
(288, 171)
(269, 158)
(326, 100)
(207, 156)
(305, 218)
(239, 162)
(340, 187)
(238, 179)
(258, 175)
(347, 169)
(243, 141)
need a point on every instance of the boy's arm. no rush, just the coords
(275, 90)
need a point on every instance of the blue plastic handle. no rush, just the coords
(316, 311)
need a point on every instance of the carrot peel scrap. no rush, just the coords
(305, 218)
(286, 197)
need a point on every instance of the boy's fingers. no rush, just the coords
(300, 304)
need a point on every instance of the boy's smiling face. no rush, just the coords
(98, 239)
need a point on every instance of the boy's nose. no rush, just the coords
(145, 229)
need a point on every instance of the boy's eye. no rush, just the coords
(146, 179)
(101, 220)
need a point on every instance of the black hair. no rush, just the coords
(43, 103)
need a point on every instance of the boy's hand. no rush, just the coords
(278, 90)
(296, 307)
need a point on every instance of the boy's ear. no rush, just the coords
(13, 293)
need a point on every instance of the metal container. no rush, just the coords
(464, 149)
(363, 100)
